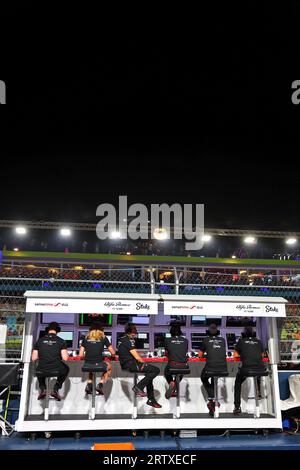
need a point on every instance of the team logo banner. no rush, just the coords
(118, 306)
(224, 309)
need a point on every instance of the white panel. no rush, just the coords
(225, 309)
(88, 305)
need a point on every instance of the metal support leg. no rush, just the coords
(177, 380)
(134, 411)
(256, 412)
(46, 412)
(216, 413)
(93, 410)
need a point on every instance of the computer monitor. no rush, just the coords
(159, 339)
(141, 341)
(64, 318)
(82, 335)
(87, 319)
(197, 340)
(67, 336)
(198, 320)
(231, 340)
(217, 320)
(240, 321)
(179, 319)
(137, 319)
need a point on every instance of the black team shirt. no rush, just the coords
(94, 348)
(125, 346)
(250, 350)
(49, 348)
(214, 346)
(177, 348)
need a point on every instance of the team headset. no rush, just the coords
(53, 326)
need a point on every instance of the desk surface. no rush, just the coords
(165, 359)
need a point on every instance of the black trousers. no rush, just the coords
(240, 378)
(150, 372)
(208, 384)
(63, 372)
(168, 376)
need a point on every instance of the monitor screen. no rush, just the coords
(65, 335)
(197, 340)
(231, 340)
(240, 321)
(198, 320)
(217, 320)
(86, 319)
(137, 319)
(141, 341)
(67, 318)
(181, 319)
(159, 339)
(82, 335)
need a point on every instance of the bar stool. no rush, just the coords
(255, 374)
(48, 376)
(94, 368)
(215, 375)
(176, 372)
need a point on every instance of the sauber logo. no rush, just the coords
(44, 304)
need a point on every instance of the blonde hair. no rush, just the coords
(95, 335)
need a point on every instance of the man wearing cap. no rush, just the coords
(50, 351)
(214, 347)
(132, 361)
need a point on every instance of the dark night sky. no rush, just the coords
(158, 114)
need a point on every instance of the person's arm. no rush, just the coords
(81, 352)
(111, 350)
(34, 355)
(136, 355)
(64, 354)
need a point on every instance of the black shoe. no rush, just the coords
(42, 395)
(171, 390)
(55, 395)
(152, 402)
(89, 389)
(139, 392)
(99, 389)
(237, 411)
(211, 407)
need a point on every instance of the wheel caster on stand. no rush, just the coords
(227, 433)
(48, 435)
(146, 434)
(77, 435)
(162, 434)
(32, 436)
(265, 432)
(134, 433)
(174, 433)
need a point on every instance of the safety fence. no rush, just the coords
(17, 277)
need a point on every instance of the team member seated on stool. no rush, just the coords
(50, 351)
(131, 360)
(214, 346)
(91, 350)
(250, 350)
(176, 348)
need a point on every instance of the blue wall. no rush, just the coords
(284, 384)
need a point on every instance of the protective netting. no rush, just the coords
(17, 277)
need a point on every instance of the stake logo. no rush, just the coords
(2, 92)
(162, 221)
